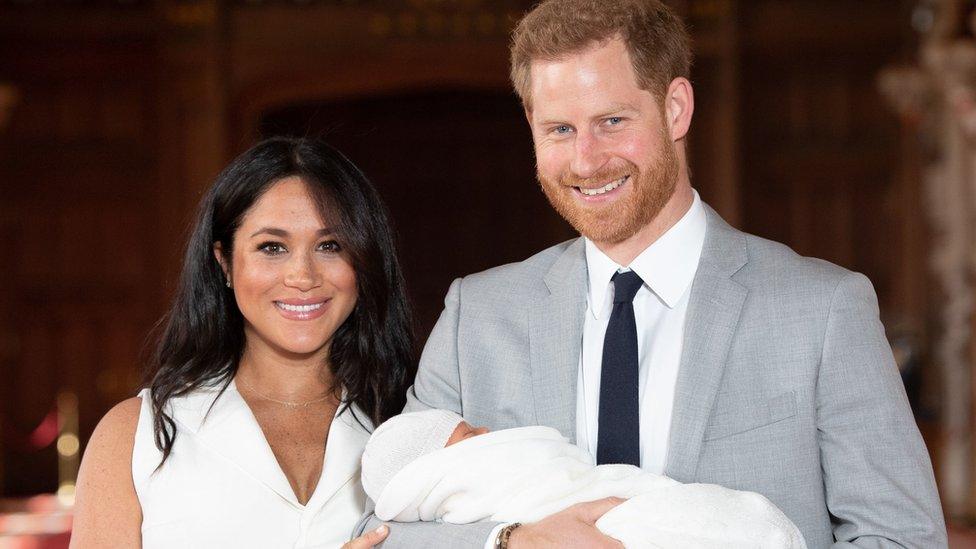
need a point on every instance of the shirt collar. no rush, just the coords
(667, 266)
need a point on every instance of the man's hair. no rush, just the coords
(656, 39)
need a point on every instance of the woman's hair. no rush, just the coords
(656, 38)
(372, 353)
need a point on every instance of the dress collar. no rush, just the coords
(226, 425)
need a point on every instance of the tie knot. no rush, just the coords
(625, 286)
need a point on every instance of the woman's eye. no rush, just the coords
(272, 248)
(330, 246)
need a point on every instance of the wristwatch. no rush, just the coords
(501, 542)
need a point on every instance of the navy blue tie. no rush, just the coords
(619, 420)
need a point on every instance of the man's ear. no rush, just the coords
(679, 105)
(218, 251)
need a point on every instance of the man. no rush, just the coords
(664, 337)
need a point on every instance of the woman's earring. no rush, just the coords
(228, 283)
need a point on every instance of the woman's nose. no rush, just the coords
(302, 274)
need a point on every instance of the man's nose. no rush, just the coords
(302, 274)
(589, 155)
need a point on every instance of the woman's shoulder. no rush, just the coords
(114, 437)
(118, 425)
(106, 499)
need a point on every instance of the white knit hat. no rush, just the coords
(399, 441)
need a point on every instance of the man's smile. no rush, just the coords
(611, 186)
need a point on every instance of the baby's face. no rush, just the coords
(463, 431)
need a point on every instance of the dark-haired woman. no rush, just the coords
(289, 335)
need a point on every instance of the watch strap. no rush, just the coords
(501, 542)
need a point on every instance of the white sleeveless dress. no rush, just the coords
(223, 487)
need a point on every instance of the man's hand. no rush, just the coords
(572, 527)
(368, 539)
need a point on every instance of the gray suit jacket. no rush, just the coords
(786, 387)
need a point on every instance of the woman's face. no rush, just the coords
(291, 278)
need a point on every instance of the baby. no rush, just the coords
(433, 466)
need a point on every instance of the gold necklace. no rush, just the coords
(282, 402)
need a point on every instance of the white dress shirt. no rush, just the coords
(667, 268)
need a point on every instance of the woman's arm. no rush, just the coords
(107, 511)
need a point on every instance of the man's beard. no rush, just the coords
(615, 222)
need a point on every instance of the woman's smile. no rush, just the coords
(301, 309)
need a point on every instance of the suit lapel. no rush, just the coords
(555, 337)
(713, 314)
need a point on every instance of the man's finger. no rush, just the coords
(591, 511)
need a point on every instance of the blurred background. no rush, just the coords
(844, 128)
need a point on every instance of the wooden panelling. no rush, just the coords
(78, 187)
(818, 161)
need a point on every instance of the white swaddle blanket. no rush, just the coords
(528, 473)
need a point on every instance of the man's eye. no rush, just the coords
(330, 246)
(614, 120)
(272, 248)
(562, 129)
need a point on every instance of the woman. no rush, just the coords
(289, 336)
